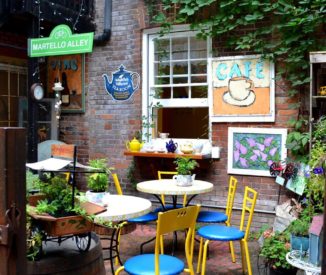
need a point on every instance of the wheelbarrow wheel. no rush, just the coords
(83, 241)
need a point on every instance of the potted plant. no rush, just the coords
(98, 182)
(299, 230)
(274, 249)
(184, 166)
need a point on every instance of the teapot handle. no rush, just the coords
(128, 145)
(137, 76)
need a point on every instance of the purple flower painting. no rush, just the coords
(252, 150)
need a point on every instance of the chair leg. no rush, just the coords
(243, 257)
(203, 269)
(121, 268)
(245, 245)
(116, 261)
(162, 244)
(232, 251)
(200, 254)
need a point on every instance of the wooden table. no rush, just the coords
(119, 209)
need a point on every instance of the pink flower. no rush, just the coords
(261, 147)
(263, 156)
(269, 162)
(236, 155)
(256, 152)
(253, 157)
(243, 162)
(272, 151)
(243, 149)
(251, 142)
(237, 144)
(267, 141)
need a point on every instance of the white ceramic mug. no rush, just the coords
(240, 87)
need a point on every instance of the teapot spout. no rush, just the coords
(193, 177)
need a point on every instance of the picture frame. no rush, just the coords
(298, 182)
(251, 151)
(73, 66)
(243, 89)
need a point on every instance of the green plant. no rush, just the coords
(99, 181)
(300, 226)
(32, 181)
(297, 141)
(184, 165)
(319, 131)
(58, 197)
(33, 240)
(274, 249)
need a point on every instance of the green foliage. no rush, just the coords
(32, 181)
(99, 181)
(287, 32)
(274, 250)
(58, 195)
(319, 129)
(185, 165)
(33, 240)
(297, 141)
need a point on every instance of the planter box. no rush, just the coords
(300, 243)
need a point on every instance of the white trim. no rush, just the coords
(271, 131)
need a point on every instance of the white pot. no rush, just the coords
(97, 197)
(184, 180)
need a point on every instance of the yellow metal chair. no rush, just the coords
(169, 221)
(206, 216)
(230, 233)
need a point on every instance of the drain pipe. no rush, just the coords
(105, 36)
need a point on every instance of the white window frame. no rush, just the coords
(147, 83)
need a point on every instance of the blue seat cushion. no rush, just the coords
(211, 217)
(145, 265)
(220, 233)
(167, 207)
(150, 217)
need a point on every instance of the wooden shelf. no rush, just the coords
(165, 155)
(319, 96)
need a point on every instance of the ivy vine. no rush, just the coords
(284, 31)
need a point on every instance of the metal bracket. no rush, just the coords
(4, 234)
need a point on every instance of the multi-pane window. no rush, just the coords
(177, 90)
(13, 84)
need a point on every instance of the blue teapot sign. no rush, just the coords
(124, 83)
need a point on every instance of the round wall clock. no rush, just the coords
(37, 91)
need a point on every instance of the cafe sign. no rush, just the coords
(61, 42)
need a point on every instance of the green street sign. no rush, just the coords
(60, 42)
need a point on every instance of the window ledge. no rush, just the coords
(165, 155)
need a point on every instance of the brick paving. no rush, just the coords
(219, 261)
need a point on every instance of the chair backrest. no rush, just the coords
(248, 207)
(117, 183)
(233, 183)
(170, 173)
(66, 151)
(174, 220)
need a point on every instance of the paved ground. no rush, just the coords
(219, 261)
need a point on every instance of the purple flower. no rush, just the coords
(263, 156)
(251, 142)
(318, 170)
(272, 151)
(236, 155)
(261, 147)
(256, 152)
(267, 141)
(244, 162)
(237, 144)
(253, 157)
(243, 149)
(269, 162)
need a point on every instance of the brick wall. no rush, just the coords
(107, 124)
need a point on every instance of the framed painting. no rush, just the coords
(243, 89)
(70, 71)
(251, 151)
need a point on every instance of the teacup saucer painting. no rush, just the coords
(243, 89)
(251, 151)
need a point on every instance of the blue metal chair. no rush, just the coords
(206, 216)
(230, 233)
(169, 221)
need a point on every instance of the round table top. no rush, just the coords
(294, 259)
(122, 207)
(169, 187)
